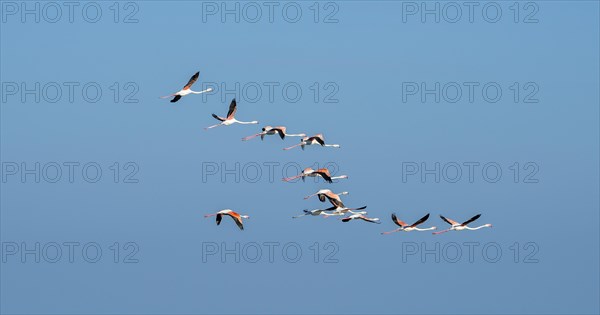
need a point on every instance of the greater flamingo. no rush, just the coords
(230, 119)
(455, 226)
(408, 228)
(186, 89)
(343, 210)
(359, 216)
(310, 212)
(234, 215)
(268, 130)
(334, 211)
(327, 194)
(316, 139)
(323, 172)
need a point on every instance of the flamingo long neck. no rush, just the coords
(339, 177)
(295, 135)
(427, 229)
(475, 228)
(246, 122)
(351, 210)
(332, 145)
(200, 92)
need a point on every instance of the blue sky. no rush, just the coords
(361, 61)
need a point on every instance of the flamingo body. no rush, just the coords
(269, 130)
(326, 194)
(234, 215)
(332, 211)
(360, 216)
(403, 226)
(187, 89)
(309, 172)
(314, 140)
(230, 118)
(455, 226)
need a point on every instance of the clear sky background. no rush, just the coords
(367, 54)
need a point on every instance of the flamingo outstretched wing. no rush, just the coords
(176, 98)
(232, 109)
(192, 80)
(421, 220)
(325, 174)
(280, 131)
(362, 217)
(449, 221)
(237, 218)
(218, 117)
(398, 222)
(471, 219)
(318, 138)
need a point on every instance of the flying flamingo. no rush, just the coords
(230, 120)
(461, 226)
(407, 228)
(360, 216)
(343, 210)
(311, 212)
(268, 130)
(326, 194)
(186, 89)
(234, 215)
(335, 211)
(316, 139)
(323, 172)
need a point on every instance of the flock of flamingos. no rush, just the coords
(338, 208)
